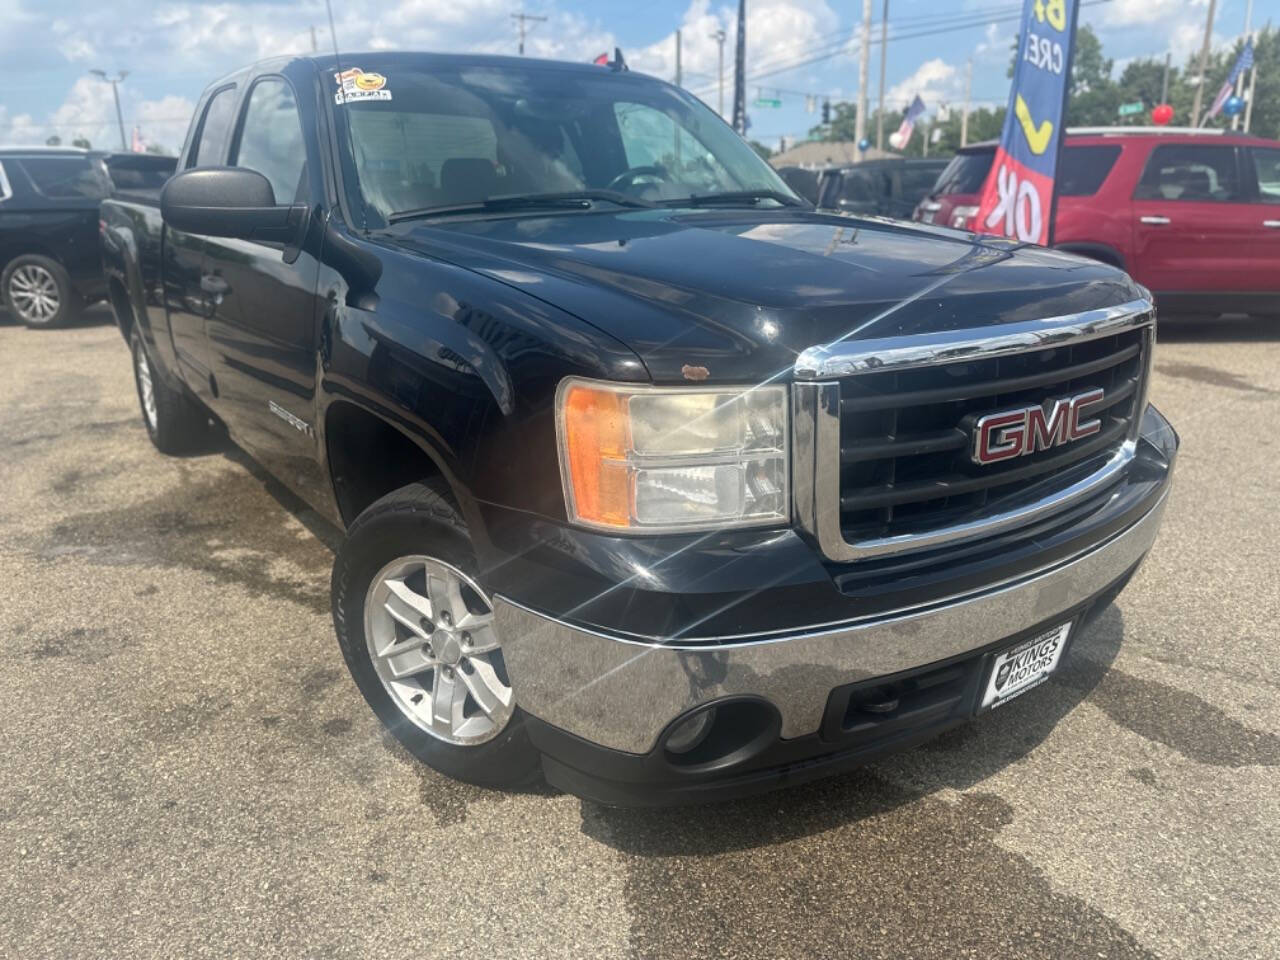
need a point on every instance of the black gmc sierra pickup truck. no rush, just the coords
(655, 481)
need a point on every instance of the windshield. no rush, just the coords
(966, 173)
(450, 135)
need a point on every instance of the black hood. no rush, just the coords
(741, 293)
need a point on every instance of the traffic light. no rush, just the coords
(826, 111)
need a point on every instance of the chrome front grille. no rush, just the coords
(884, 429)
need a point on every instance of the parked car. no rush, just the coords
(802, 180)
(139, 172)
(655, 481)
(889, 187)
(1194, 215)
(50, 260)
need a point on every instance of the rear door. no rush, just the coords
(1193, 220)
(262, 336)
(189, 300)
(1264, 164)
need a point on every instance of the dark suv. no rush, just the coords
(1194, 215)
(50, 259)
(887, 187)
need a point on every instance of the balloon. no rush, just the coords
(864, 144)
(1162, 114)
(1233, 106)
(895, 141)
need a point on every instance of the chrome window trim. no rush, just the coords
(6, 191)
(815, 411)
(850, 357)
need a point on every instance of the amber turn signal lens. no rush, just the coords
(594, 439)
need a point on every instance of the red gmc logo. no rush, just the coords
(1017, 433)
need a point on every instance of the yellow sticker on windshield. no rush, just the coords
(354, 84)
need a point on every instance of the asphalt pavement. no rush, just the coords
(187, 771)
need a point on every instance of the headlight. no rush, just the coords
(661, 459)
(960, 216)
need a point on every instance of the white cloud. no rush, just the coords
(89, 111)
(778, 31)
(936, 82)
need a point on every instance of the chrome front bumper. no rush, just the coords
(621, 694)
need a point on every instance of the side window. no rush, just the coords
(1200, 174)
(271, 139)
(1267, 165)
(67, 178)
(215, 128)
(858, 187)
(6, 191)
(1084, 169)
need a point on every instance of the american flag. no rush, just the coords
(1243, 63)
(903, 136)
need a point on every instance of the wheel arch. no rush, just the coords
(369, 456)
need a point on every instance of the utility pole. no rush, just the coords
(524, 19)
(1164, 87)
(884, 59)
(968, 94)
(1253, 86)
(315, 47)
(1204, 61)
(719, 37)
(115, 92)
(679, 77)
(740, 72)
(864, 75)
(1248, 28)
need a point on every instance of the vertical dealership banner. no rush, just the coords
(1018, 196)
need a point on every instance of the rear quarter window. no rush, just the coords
(6, 191)
(1085, 169)
(1190, 173)
(67, 178)
(966, 173)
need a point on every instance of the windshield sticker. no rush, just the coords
(354, 85)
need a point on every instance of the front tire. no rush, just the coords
(175, 422)
(416, 630)
(38, 291)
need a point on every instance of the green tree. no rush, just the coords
(760, 148)
(53, 141)
(82, 142)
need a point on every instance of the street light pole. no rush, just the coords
(864, 74)
(719, 37)
(115, 92)
(884, 57)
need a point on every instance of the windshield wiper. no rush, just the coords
(569, 200)
(735, 196)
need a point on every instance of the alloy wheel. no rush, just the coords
(430, 634)
(33, 292)
(146, 389)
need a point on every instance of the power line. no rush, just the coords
(829, 51)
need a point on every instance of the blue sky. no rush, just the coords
(172, 49)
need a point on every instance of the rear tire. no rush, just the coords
(175, 422)
(404, 594)
(38, 291)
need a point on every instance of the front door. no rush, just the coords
(189, 299)
(1264, 251)
(1192, 220)
(262, 336)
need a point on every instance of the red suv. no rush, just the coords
(1193, 215)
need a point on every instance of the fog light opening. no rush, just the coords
(691, 732)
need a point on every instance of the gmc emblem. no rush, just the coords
(1017, 433)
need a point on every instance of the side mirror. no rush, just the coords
(229, 202)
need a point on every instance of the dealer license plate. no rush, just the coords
(1026, 665)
